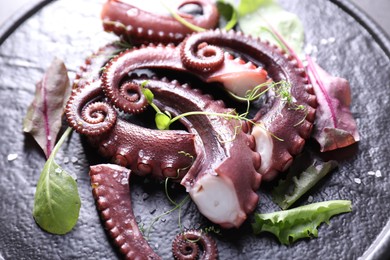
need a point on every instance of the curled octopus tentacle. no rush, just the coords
(185, 246)
(290, 126)
(222, 180)
(86, 111)
(111, 190)
(134, 20)
(138, 58)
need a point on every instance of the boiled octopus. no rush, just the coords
(219, 159)
(135, 20)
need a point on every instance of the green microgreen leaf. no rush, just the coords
(162, 120)
(57, 202)
(302, 222)
(148, 95)
(289, 190)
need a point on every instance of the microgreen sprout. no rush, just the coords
(177, 206)
(163, 120)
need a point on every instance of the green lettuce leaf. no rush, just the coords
(229, 13)
(302, 222)
(57, 202)
(268, 17)
(299, 185)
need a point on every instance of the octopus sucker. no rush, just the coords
(111, 189)
(186, 245)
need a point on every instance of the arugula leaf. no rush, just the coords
(302, 222)
(43, 118)
(229, 13)
(334, 126)
(301, 184)
(265, 17)
(57, 202)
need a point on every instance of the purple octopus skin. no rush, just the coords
(185, 246)
(222, 180)
(184, 58)
(290, 126)
(134, 19)
(227, 70)
(111, 190)
(144, 150)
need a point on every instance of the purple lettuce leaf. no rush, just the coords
(44, 115)
(334, 126)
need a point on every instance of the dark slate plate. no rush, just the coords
(345, 43)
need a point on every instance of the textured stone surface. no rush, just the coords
(71, 30)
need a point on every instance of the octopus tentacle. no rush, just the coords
(147, 151)
(111, 190)
(134, 19)
(185, 246)
(233, 72)
(223, 179)
(201, 56)
(136, 100)
(281, 120)
(86, 113)
(118, 68)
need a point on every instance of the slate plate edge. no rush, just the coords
(20, 16)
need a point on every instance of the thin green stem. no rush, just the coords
(178, 206)
(61, 141)
(182, 20)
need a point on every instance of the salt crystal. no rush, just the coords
(12, 157)
(324, 41)
(371, 173)
(66, 160)
(58, 170)
(73, 159)
(311, 49)
(310, 199)
(357, 180)
(331, 39)
(378, 174)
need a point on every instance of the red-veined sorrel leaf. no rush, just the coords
(335, 126)
(44, 115)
